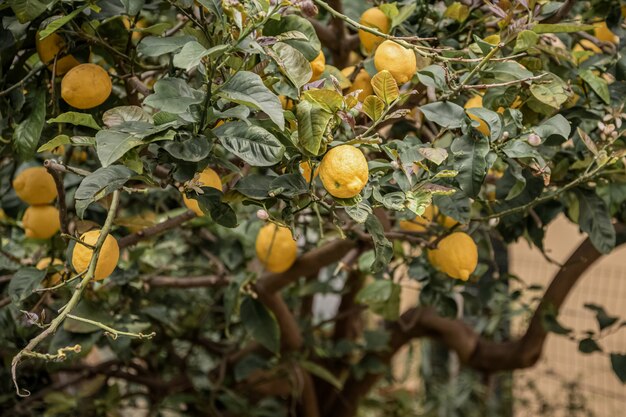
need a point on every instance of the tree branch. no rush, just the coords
(156, 229)
(50, 165)
(187, 282)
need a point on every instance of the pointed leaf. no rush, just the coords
(385, 86)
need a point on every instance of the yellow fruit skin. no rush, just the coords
(49, 47)
(456, 255)
(603, 33)
(317, 66)
(35, 186)
(41, 222)
(141, 221)
(286, 102)
(344, 171)
(207, 178)
(420, 223)
(86, 86)
(53, 279)
(276, 248)
(477, 102)
(396, 59)
(373, 18)
(362, 81)
(107, 260)
(305, 169)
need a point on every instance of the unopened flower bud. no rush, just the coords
(262, 215)
(395, 165)
(534, 139)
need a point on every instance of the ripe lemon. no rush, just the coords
(56, 277)
(41, 222)
(51, 46)
(373, 18)
(286, 102)
(107, 260)
(86, 86)
(396, 59)
(586, 45)
(276, 248)
(35, 186)
(603, 33)
(207, 178)
(362, 81)
(421, 223)
(305, 170)
(344, 171)
(456, 255)
(317, 66)
(477, 102)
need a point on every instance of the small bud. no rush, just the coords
(505, 135)
(395, 165)
(262, 215)
(534, 139)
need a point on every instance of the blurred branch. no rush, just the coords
(187, 282)
(159, 228)
(21, 82)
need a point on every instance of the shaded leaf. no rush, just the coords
(76, 119)
(253, 144)
(260, 323)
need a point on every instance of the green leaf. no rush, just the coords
(132, 7)
(491, 118)
(322, 373)
(154, 46)
(618, 363)
(210, 202)
(604, 320)
(173, 95)
(192, 149)
(76, 119)
(373, 107)
(551, 91)
(313, 121)
(58, 23)
(457, 11)
(588, 345)
(385, 87)
(434, 155)
(89, 310)
(192, 53)
(310, 47)
(247, 88)
(27, 133)
(99, 184)
(595, 220)
(55, 142)
(289, 185)
(111, 145)
(359, 212)
(292, 63)
(260, 323)
(525, 39)
(506, 71)
(470, 160)
(597, 84)
(561, 28)
(557, 127)
(382, 246)
(121, 114)
(403, 14)
(23, 283)
(255, 186)
(329, 100)
(28, 10)
(253, 144)
(433, 76)
(444, 113)
(551, 324)
(382, 297)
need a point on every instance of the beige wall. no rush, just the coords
(603, 284)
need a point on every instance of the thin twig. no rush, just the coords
(21, 82)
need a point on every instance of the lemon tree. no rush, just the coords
(216, 207)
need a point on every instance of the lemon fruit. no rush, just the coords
(207, 178)
(276, 248)
(107, 259)
(396, 59)
(285, 102)
(603, 33)
(41, 222)
(373, 18)
(344, 171)
(86, 86)
(473, 103)
(305, 170)
(317, 66)
(54, 278)
(362, 81)
(455, 255)
(51, 46)
(35, 186)
(421, 223)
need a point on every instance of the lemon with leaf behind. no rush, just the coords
(35, 186)
(53, 46)
(376, 19)
(86, 86)
(603, 33)
(107, 259)
(41, 222)
(317, 66)
(396, 59)
(276, 248)
(421, 223)
(306, 170)
(54, 278)
(207, 178)
(477, 102)
(344, 171)
(455, 255)
(362, 82)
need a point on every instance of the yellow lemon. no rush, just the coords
(286, 102)
(477, 102)
(603, 33)
(344, 171)
(305, 170)
(456, 255)
(396, 59)
(362, 81)
(41, 222)
(207, 178)
(140, 221)
(373, 18)
(35, 186)
(107, 260)
(420, 223)
(586, 45)
(86, 86)
(56, 277)
(140, 24)
(3, 215)
(51, 46)
(276, 248)
(317, 66)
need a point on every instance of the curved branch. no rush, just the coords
(156, 229)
